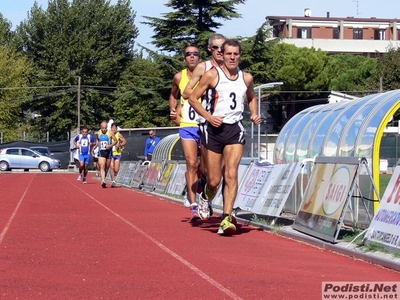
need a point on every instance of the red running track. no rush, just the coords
(61, 239)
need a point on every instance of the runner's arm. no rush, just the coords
(173, 100)
(252, 99)
(197, 74)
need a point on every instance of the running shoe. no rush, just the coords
(194, 211)
(79, 177)
(186, 201)
(84, 180)
(203, 208)
(113, 184)
(103, 184)
(227, 226)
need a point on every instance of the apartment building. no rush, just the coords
(365, 36)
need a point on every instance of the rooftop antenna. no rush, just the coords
(357, 12)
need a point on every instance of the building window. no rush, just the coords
(357, 34)
(304, 33)
(380, 34)
(336, 33)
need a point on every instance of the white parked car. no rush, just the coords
(24, 158)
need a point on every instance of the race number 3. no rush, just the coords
(233, 97)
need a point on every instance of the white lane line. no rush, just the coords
(213, 282)
(4, 232)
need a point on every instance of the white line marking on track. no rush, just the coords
(4, 232)
(213, 282)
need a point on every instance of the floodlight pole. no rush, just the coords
(79, 104)
(258, 88)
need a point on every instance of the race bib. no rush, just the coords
(103, 145)
(189, 114)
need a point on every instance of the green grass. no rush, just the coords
(349, 237)
(275, 227)
(374, 246)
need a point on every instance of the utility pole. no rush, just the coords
(79, 104)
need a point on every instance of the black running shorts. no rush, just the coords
(216, 138)
(105, 153)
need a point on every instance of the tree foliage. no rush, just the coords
(353, 74)
(190, 22)
(257, 55)
(14, 74)
(140, 101)
(389, 69)
(90, 39)
(5, 31)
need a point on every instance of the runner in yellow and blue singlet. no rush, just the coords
(105, 142)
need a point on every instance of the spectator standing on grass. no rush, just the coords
(150, 145)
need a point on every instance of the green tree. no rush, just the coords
(389, 69)
(14, 73)
(142, 99)
(5, 31)
(258, 55)
(90, 39)
(190, 22)
(352, 74)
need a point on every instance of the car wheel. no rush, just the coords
(44, 166)
(4, 166)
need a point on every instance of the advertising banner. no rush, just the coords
(252, 186)
(166, 176)
(385, 226)
(139, 176)
(277, 192)
(325, 198)
(122, 170)
(177, 184)
(129, 173)
(152, 175)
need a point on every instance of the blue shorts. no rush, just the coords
(190, 133)
(85, 158)
(116, 157)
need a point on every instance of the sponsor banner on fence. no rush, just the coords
(177, 184)
(325, 198)
(129, 173)
(278, 190)
(139, 176)
(385, 226)
(252, 185)
(122, 171)
(166, 175)
(152, 175)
